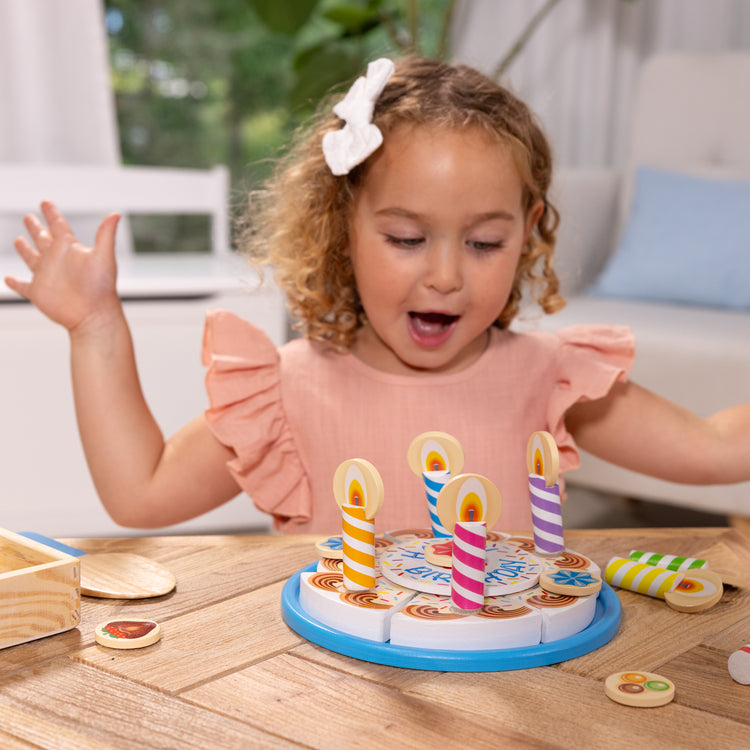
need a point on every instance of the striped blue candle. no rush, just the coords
(434, 481)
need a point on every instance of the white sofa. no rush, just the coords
(692, 115)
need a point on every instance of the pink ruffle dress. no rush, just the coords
(292, 415)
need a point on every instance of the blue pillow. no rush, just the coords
(687, 241)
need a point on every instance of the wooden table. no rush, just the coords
(228, 673)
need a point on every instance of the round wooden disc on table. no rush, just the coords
(639, 689)
(125, 634)
(122, 575)
(697, 591)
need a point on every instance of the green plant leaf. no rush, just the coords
(354, 19)
(285, 16)
(319, 69)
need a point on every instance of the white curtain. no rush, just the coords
(54, 83)
(579, 69)
(56, 101)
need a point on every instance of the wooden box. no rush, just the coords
(40, 590)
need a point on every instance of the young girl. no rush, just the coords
(404, 228)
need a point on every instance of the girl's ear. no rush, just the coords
(532, 217)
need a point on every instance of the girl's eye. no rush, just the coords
(482, 246)
(404, 241)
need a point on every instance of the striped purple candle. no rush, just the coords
(546, 517)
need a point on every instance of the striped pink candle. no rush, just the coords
(468, 564)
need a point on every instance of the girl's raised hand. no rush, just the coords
(71, 284)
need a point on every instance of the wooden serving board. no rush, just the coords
(115, 575)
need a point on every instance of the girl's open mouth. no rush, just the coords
(431, 329)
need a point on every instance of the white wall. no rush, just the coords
(44, 481)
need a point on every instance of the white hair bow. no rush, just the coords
(351, 145)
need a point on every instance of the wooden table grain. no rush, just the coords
(228, 672)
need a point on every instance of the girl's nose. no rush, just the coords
(443, 271)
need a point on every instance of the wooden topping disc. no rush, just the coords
(399, 535)
(570, 582)
(698, 590)
(440, 553)
(123, 575)
(640, 689)
(435, 451)
(127, 633)
(542, 457)
(468, 492)
(358, 482)
(331, 548)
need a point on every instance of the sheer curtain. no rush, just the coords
(56, 102)
(579, 69)
(54, 83)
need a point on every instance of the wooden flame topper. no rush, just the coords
(357, 482)
(542, 457)
(469, 497)
(435, 451)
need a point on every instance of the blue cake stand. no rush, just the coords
(601, 630)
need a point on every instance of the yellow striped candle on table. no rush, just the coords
(641, 578)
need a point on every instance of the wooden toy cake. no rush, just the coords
(459, 588)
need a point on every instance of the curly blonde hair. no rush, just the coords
(299, 222)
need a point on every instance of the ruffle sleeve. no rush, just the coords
(246, 413)
(590, 360)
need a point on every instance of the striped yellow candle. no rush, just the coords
(641, 578)
(358, 535)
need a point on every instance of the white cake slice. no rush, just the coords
(366, 614)
(562, 616)
(427, 621)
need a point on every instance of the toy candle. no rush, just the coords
(739, 665)
(641, 578)
(670, 562)
(359, 548)
(435, 456)
(467, 505)
(467, 566)
(358, 490)
(434, 481)
(543, 462)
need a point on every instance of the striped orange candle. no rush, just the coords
(358, 490)
(359, 548)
